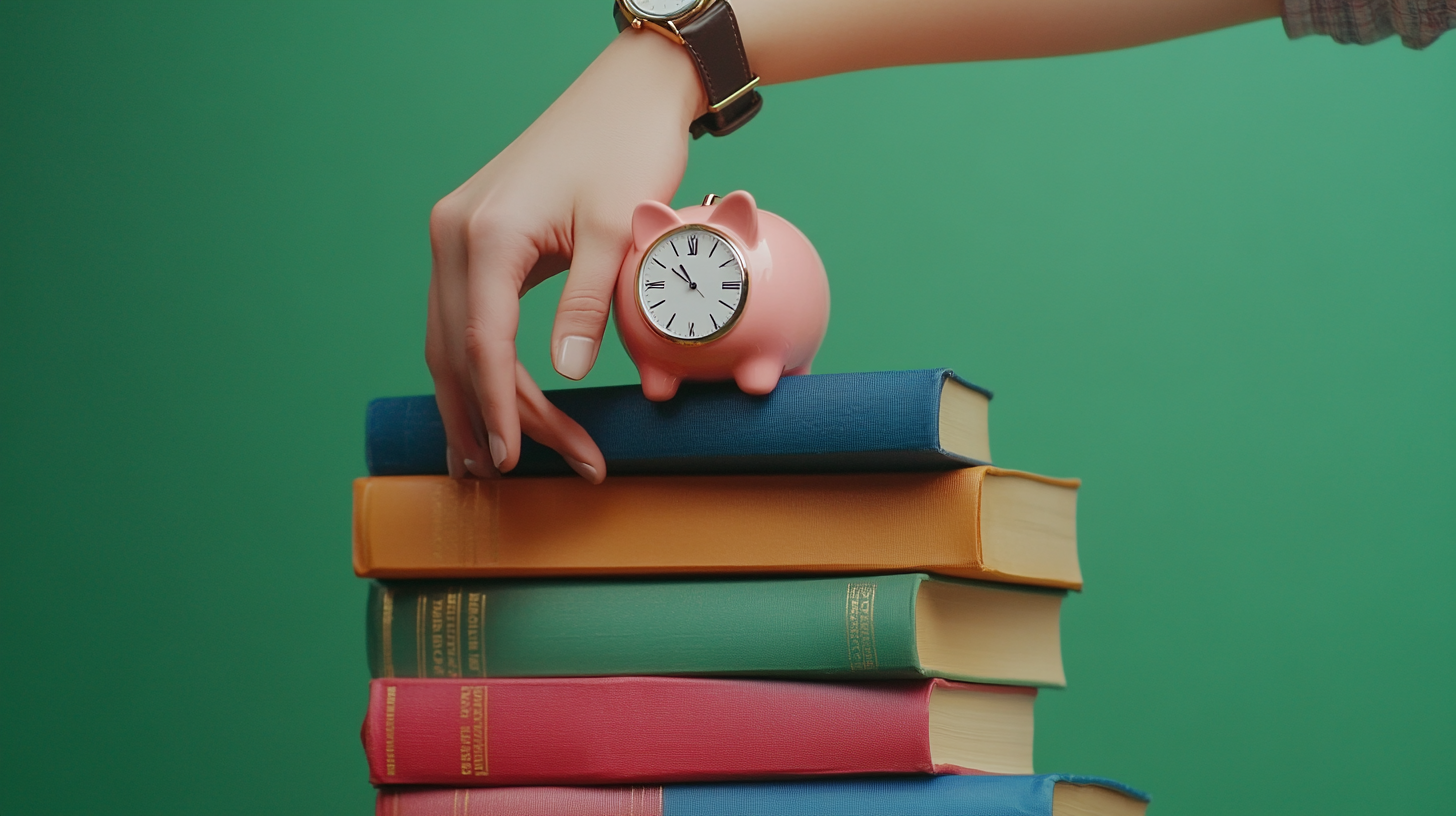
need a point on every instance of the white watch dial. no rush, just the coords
(691, 284)
(660, 9)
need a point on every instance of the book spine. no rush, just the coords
(818, 423)
(532, 801)
(974, 795)
(859, 627)
(641, 730)
(436, 527)
(982, 795)
(882, 796)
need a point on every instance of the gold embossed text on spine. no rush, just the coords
(389, 731)
(859, 625)
(474, 758)
(386, 631)
(475, 634)
(421, 605)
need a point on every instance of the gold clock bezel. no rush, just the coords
(660, 20)
(742, 295)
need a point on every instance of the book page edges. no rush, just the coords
(1072, 799)
(963, 424)
(977, 728)
(999, 631)
(1042, 525)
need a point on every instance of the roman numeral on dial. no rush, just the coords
(693, 264)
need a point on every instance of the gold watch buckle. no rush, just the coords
(735, 96)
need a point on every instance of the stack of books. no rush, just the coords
(821, 601)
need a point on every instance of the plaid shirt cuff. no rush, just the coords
(1418, 22)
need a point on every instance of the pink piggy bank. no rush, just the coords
(719, 291)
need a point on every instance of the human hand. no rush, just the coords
(560, 195)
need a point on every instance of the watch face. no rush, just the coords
(691, 284)
(660, 9)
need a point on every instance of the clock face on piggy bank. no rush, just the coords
(691, 286)
(721, 291)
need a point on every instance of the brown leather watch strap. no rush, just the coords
(713, 41)
(716, 47)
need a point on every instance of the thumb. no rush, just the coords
(581, 316)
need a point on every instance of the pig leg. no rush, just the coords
(798, 370)
(758, 375)
(657, 386)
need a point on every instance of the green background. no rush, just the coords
(1212, 277)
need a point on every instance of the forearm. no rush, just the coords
(789, 40)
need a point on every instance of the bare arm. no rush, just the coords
(789, 40)
(561, 194)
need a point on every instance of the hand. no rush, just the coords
(560, 195)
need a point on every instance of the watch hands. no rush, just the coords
(684, 275)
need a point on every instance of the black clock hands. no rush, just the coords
(682, 272)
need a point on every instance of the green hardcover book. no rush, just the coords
(870, 627)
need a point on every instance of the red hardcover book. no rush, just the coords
(624, 730)
(533, 801)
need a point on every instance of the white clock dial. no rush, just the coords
(660, 9)
(691, 284)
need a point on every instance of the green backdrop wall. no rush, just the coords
(1213, 277)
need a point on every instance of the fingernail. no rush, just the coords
(451, 463)
(497, 449)
(584, 470)
(575, 355)
(477, 468)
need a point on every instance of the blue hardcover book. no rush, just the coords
(927, 419)
(1044, 795)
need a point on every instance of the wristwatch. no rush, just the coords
(708, 29)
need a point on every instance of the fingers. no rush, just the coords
(548, 425)
(497, 260)
(463, 449)
(581, 316)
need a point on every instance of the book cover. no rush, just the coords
(984, 523)
(615, 730)
(882, 796)
(857, 627)
(878, 421)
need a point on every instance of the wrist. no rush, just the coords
(655, 70)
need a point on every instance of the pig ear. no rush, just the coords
(650, 220)
(738, 213)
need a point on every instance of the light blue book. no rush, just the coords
(1043, 795)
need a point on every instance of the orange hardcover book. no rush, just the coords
(984, 522)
